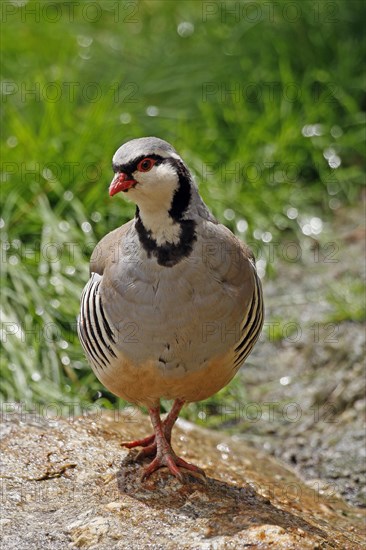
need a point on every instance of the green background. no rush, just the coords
(264, 101)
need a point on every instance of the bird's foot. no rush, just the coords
(159, 446)
(145, 442)
(173, 462)
(149, 443)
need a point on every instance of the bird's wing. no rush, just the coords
(108, 248)
(96, 332)
(232, 264)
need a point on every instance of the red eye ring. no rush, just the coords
(145, 164)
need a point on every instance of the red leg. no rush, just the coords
(139, 442)
(149, 443)
(165, 456)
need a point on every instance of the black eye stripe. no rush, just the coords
(131, 167)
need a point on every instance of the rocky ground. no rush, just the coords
(70, 484)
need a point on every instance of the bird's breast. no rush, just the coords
(149, 383)
(155, 330)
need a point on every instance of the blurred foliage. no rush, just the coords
(347, 298)
(265, 102)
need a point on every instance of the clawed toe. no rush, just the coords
(150, 450)
(156, 464)
(188, 466)
(159, 462)
(173, 463)
(145, 442)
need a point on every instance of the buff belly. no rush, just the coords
(145, 384)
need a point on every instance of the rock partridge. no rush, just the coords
(174, 305)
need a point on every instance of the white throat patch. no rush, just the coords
(154, 195)
(163, 228)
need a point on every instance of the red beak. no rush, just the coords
(120, 183)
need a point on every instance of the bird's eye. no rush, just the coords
(145, 164)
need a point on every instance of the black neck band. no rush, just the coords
(169, 254)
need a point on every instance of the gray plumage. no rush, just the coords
(174, 304)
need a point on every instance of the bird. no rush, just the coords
(174, 304)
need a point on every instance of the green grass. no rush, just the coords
(76, 89)
(347, 298)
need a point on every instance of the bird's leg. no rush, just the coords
(149, 442)
(150, 448)
(170, 420)
(165, 456)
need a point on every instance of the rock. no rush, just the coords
(69, 484)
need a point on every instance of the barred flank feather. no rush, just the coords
(95, 332)
(252, 324)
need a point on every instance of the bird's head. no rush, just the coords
(150, 171)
